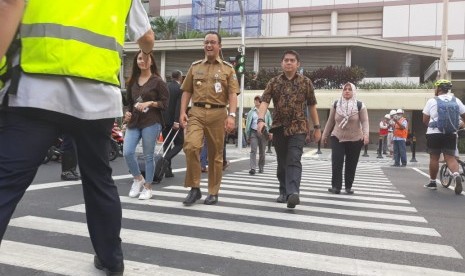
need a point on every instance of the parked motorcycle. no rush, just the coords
(54, 152)
(117, 140)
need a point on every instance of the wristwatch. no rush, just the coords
(316, 127)
(232, 114)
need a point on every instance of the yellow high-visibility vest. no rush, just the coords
(3, 68)
(79, 38)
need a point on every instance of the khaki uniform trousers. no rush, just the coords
(209, 123)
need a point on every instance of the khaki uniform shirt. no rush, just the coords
(290, 99)
(211, 82)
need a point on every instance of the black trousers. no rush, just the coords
(177, 144)
(351, 151)
(289, 150)
(25, 136)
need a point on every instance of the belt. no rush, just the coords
(207, 105)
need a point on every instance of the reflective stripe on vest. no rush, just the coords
(78, 38)
(3, 67)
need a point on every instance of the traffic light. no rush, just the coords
(240, 65)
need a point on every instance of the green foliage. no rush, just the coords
(394, 85)
(324, 78)
(190, 34)
(334, 77)
(164, 28)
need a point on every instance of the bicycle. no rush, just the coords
(445, 175)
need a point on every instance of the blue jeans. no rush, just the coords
(400, 152)
(149, 137)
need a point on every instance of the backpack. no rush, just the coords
(448, 115)
(359, 105)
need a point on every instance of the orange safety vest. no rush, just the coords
(398, 132)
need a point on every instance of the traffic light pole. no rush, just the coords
(241, 96)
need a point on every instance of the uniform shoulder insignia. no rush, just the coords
(227, 63)
(197, 61)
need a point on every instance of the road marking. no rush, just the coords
(451, 187)
(283, 232)
(313, 209)
(303, 187)
(259, 254)
(317, 194)
(66, 262)
(296, 217)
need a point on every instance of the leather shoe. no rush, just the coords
(334, 191)
(260, 170)
(252, 172)
(349, 191)
(193, 195)
(117, 271)
(169, 173)
(293, 200)
(211, 199)
(281, 198)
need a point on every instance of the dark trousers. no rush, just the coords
(26, 134)
(351, 151)
(289, 150)
(177, 144)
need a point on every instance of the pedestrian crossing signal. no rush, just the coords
(240, 65)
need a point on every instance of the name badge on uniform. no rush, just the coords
(218, 88)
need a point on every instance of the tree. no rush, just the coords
(164, 28)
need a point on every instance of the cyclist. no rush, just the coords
(438, 141)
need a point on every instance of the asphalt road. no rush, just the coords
(390, 226)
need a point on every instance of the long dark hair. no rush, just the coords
(135, 74)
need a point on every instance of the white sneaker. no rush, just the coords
(145, 194)
(136, 187)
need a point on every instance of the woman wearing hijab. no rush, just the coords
(349, 128)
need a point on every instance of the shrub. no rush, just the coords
(395, 85)
(324, 78)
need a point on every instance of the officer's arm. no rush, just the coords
(426, 119)
(147, 41)
(11, 12)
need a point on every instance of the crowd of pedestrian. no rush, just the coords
(210, 88)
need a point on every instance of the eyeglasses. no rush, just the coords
(291, 60)
(212, 42)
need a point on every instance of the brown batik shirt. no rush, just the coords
(290, 99)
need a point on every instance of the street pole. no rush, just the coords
(241, 96)
(444, 57)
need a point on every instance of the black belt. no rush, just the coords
(207, 105)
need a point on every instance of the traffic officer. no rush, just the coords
(211, 84)
(64, 78)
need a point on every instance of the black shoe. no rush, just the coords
(169, 173)
(69, 176)
(458, 184)
(395, 165)
(334, 191)
(349, 191)
(403, 165)
(117, 271)
(293, 200)
(260, 170)
(193, 195)
(211, 199)
(431, 185)
(76, 173)
(281, 198)
(252, 172)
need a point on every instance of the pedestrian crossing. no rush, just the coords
(375, 231)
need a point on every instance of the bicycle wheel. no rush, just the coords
(445, 176)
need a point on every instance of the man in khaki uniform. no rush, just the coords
(211, 84)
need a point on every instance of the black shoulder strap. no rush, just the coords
(359, 105)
